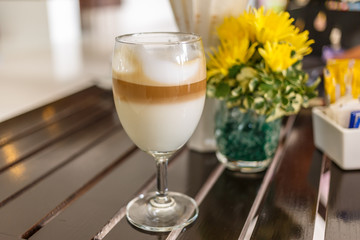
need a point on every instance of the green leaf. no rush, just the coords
(233, 71)
(222, 90)
(252, 84)
(284, 101)
(236, 91)
(289, 108)
(265, 87)
(259, 105)
(278, 82)
(288, 90)
(268, 80)
(276, 100)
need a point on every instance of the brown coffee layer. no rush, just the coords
(133, 92)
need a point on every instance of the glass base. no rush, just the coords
(147, 213)
(243, 166)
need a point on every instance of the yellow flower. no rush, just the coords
(272, 26)
(301, 42)
(261, 26)
(246, 22)
(231, 52)
(231, 28)
(277, 56)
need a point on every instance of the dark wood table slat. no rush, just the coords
(186, 175)
(343, 207)
(33, 120)
(290, 203)
(230, 200)
(88, 214)
(48, 197)
(25, 174)
(7, 237)
(13, 152)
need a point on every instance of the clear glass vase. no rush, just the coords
(245, 141)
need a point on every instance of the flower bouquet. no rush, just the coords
(258, 64)
(257, 73)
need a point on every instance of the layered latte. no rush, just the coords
(159, 97)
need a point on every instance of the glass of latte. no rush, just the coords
(159, 83)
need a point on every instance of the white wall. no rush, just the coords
(23, 25)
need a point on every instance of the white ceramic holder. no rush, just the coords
(339, 143)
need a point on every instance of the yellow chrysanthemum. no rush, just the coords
(301, 42)
(231, 28)
(272, 26)
(230, 52)
(246, 22)
(278, 56)
(283, 43)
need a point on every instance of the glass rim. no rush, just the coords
(121, 38)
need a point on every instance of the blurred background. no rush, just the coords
(52, 48)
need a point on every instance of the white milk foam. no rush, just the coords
(152, 68)
(167, 70)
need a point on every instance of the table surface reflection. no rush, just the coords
(67, 171)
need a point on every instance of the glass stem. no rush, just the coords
(161, 167)
(161, 178)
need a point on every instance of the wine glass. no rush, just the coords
(159, 84)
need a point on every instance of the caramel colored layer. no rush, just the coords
(133, 92)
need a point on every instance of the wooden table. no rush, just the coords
(67, 171)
